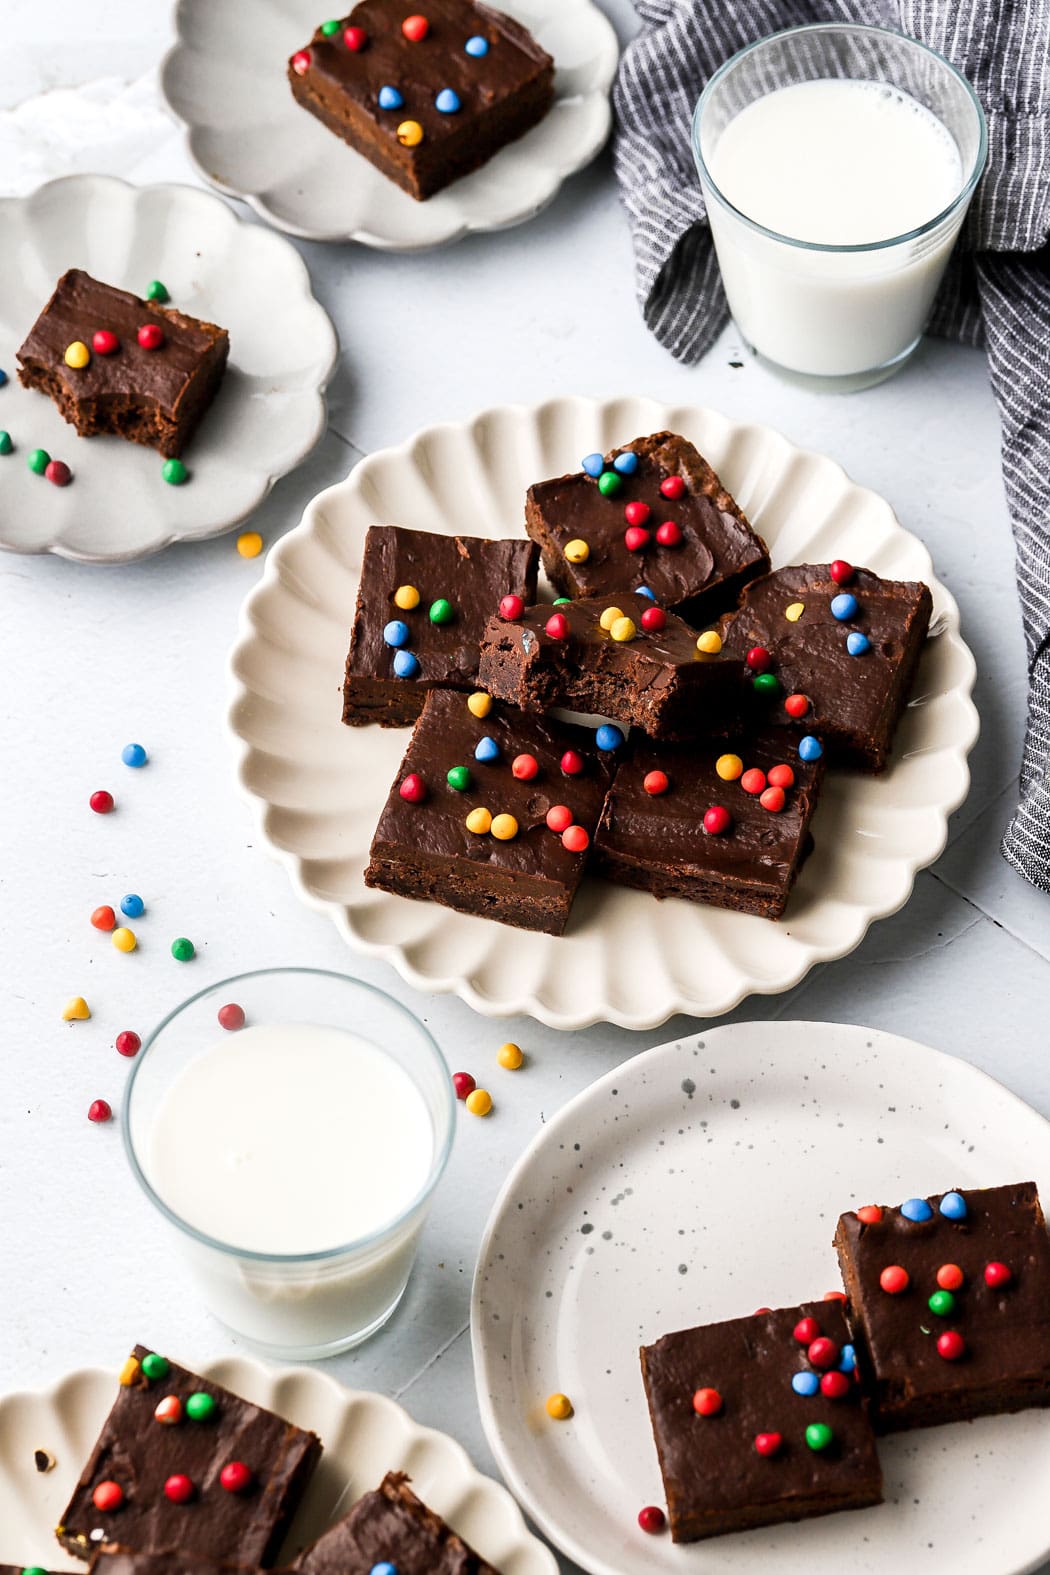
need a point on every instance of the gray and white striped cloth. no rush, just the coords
(997, 292)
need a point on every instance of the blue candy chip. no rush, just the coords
(405, 664)
(3, 377)
(134, 755)
(390, 98)
(626, 463)
(447, 101)
(477, 46)
(593, 464)
(916, 1209)
(847, 1359)
(486, 749)
(805, 1383)
(396, 633)
(953, 1206)
(133, 906)
(810, 748)
(383, 1568)
(857, 643)
(643, 590)
(608, 737)
(844, 606)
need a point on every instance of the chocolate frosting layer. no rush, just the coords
(391, 1526)
(122, 1561)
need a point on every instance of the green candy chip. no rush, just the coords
(200, 1407)
(155, 1367)
(155, 291)
(459, 778)
(38, 461)
(609, 483)
(441, 611)
(767, 684)
(328, 28)
(5, 443)
(182, 950)
(174, 472)
(818, 1435)
(942, 1303)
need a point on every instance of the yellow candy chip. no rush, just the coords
(609, 616)
(559, 1407)
(623, 629)
(76, 1011)
(504, 828)
(577, 551)
(129, 1372)
(124, 939)
(479, 703)
(479, 821)
(406, 597)
(794, 612)
(729, 767)
(479, 1102)
(77, 355)
(510, 1056)
(709, 643)
(250, 544)
(410, 133)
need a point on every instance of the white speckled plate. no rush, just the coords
(267, 416)
(318, 787)
(225, 79)
(702, 1179)
(365, 1435)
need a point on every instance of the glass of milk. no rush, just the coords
(295, 1153)
(837, 163)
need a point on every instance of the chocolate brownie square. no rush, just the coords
(621, 656)
(426, 98)
(723, 821)
(760, 1420)
(149, 372)
(391, 1529)
(492, 811)
(422, 606)
(951, 1297)
(224, 1481)
(843, 645)
(652, 514)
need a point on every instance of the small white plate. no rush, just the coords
(365, 1436)
(267, 416)
(318, 787)
(703, 1179)
(225, 79)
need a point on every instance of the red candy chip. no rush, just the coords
(99, 1111)
(773, 799)
(780, 776)
(559, 816)
(834, 1385)
(178, 1488)
(655, 782)
(996, 1274)
(758, 658)
(511, 607)
(463, 1083)
(231, 1016)
(415, 28)
(575, 839)
(108, 1496)
(150, 336)
(637, 513)
(524, 767)
(413, 789)
(128, 1042)
(841, 571)
(103, 918)
(768, 1444)
(870, 1214)
(101, 802)
(235, 1477)
(950, 1277)
(707, 1402)
(653, 620)
(58, 473)
(894, 1279)
(806, 1331)
(717, 820)
(354, 38)
(557, 626)
(834, 1296)
(652, 1519)
(672, 487)
(760, 1310)
(796, 705)
(572, 763)
(951, 1345)
(103, 342)
(669, 534)
(822, 1352)
(635, 539)
(753, 781)
(300, 65)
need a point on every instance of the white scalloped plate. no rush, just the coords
(365, 1435)
(730, 1156)
(318, 786)
(268, 414)
(225, 79)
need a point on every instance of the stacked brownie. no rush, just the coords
(726, 689)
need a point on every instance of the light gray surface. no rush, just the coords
(94, 658)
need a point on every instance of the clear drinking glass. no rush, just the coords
(312, 1304)
(836, 317)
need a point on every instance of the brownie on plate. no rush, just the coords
(653, 515)
(843, 646)
(724, 821)
(391, 1529)
(422, 606)
(951, 1295)
(493, 810)
(429, 97)
(114, 363)
(760, 1420)
(183, 1463)
(619, 655)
